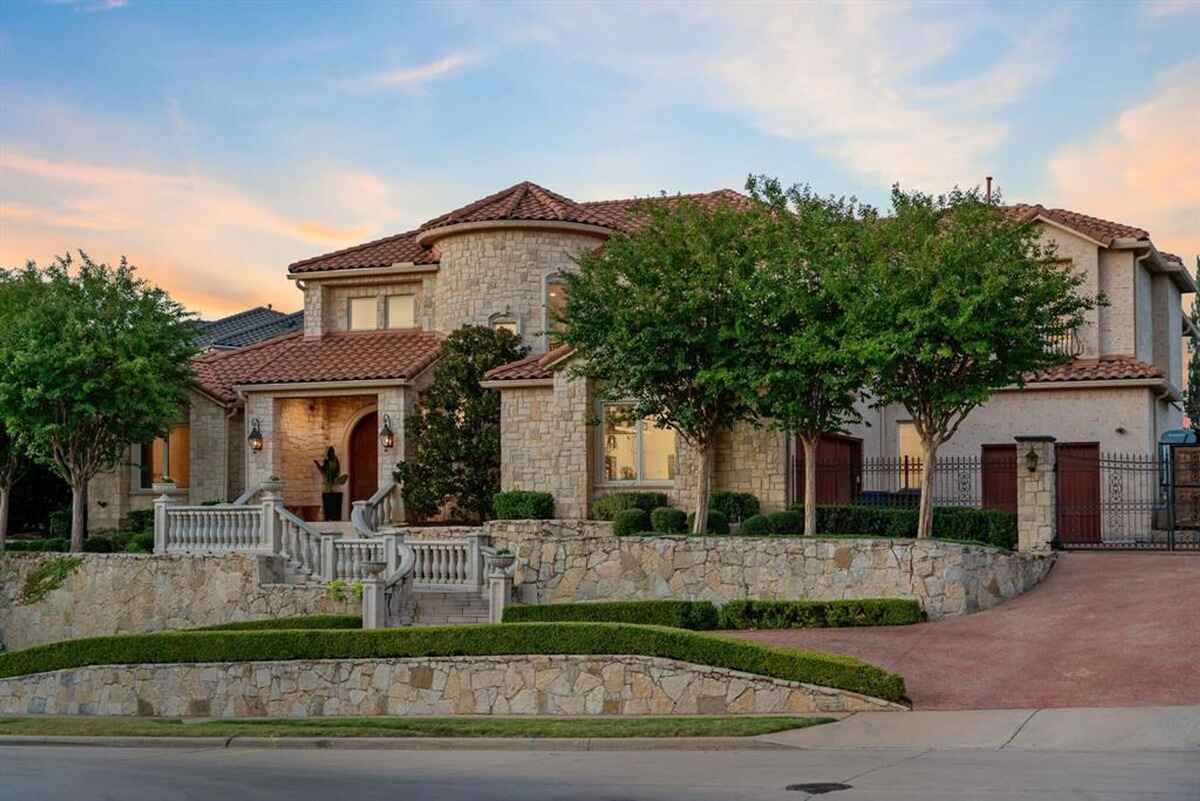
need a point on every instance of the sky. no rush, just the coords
(214, 143)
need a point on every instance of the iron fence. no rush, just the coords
(1111, 501)
(957, 481)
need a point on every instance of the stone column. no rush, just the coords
(500, 585)
(272, 502)
(1036, 503)
(374, 599)
(161, 503)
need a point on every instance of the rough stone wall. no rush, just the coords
(561, 561)
(209, 480)
(753, 460)
(496, 685)
(126, 593)
(485, 273)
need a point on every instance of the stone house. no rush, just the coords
(374, 317)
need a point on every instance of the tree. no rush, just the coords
(655, 319)
(93, 359)
(960, 300)
(1191, 397)
(803, 375)
(454, 432)
(10, 464)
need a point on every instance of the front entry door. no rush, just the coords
(364, 458)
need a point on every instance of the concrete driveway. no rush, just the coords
(1103, 630)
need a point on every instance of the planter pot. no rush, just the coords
(331, 505)
(503, 562)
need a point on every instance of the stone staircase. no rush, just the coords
(448, 608)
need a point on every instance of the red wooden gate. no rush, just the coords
(839, 469)
(1000, 477)
(1078, 491)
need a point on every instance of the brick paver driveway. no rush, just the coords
(1104, 629)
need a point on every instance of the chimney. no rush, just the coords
(988, 196)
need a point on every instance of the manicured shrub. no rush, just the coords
(96, 544)
(785, 523)
(60, 523)
(751, 614)
(142, 542)
(50, 545)
(755, 526)
(718, 523)
(666, 520)
(291, 623)
(631, 521)
(140, 520)
(607, 507)
(190, 647)
(983, 526)
(694, 615)
(736, 506)
(523, 505)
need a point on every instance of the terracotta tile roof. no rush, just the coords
(400, 248)
(1103, 231)
(1171, 257)
(1107, 369)
(623, 212)
(536, 366)
(523, 201)
(295, 358)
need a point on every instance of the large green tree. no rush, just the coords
(92, 360)
(454, 431)
(10, 464)
(656, 321)
(803, 375)
(960, 300)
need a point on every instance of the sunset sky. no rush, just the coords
(213, 143)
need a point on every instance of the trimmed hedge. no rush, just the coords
(694, 615)
(523, 505)
(984, 526)
(666, 520)
(141, 542)
(736, 506)
(824, 670)
(48, 545)
(141, 520)
(630, 521)
(607, 507)
(785, 523)
(749, 614)
(718, 523)
(755, 526)
(290, 623)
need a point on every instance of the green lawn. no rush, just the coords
(409, 727)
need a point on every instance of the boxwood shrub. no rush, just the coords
(667, 520)
(523, 505)
(789, 522)
(694, 615)
(48, 545)
(631, 521)
(984, 526)
(824, 670)
(755, 526)
(607, 507)
(140, 520)
(290, 623)
(736, 506)
(750, 614)
(718, 523)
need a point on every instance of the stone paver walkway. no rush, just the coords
(1103, 630)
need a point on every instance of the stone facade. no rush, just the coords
(561, 561)
(479, 685)
(1036, 495)
(126, 593)
(305, 428)
(210, 435)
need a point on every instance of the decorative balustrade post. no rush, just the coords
(475, 572)
(500, 588)
(374, 599)
(161, 503)
(1036, 493)
(390, 555)
(328, 556)
(272, 525)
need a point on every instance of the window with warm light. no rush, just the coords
(401, 311)
(508, 325)
(556, 306)
(364, 314)
(166, 456)
(908, 444)
(635, 450)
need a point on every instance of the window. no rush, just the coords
(908, 444)
(636, 450)
(166, 457)
(505, 321)
(556, 306)
(364, 314)
(401, 311)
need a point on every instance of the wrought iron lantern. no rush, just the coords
(256, 436)
(1031, 460)
(386, 437)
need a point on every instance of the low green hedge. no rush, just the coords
(755, 526)
(630, 521)
(819, 614)
(667, 520)
(718, 523)
(290, 623)
(985, 526)
(523, 505)
(48, 545)
(607, 507)
(825, 670)
(736, 506)
(694, 615)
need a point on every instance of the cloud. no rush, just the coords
(90, 5)
(1158, 9)
(412, 79)
(1143, 168)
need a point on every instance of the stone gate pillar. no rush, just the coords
(1036, 502)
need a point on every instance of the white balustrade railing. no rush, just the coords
(367, 516)
(446, 565)
(350, 558)
(299, 543)
(216, 529)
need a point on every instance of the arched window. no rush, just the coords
(505, 320)
(555, 306)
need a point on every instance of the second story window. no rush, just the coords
(364, 314)
(401, 311)
(556, 306)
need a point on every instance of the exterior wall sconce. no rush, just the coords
(256, 436)
(1031, 460)
(386, 437)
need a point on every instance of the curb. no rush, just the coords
(412, 743)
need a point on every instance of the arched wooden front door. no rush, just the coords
(364, 458)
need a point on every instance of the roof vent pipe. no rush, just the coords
(988, 196)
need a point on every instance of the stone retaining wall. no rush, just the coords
(480, 685)
(126, 593)
(579, 560)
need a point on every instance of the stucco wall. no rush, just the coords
(480, 685)
(561, 561)
(126, 593)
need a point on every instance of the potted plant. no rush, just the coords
(332, 478)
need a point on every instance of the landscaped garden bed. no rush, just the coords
(740, 614)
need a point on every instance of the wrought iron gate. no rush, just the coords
(1184, 497)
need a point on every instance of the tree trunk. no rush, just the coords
(5, 495)
(928, 465)
(703, 467)
(810, 485)
(78, 515)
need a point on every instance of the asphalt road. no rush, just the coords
(39, 773)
